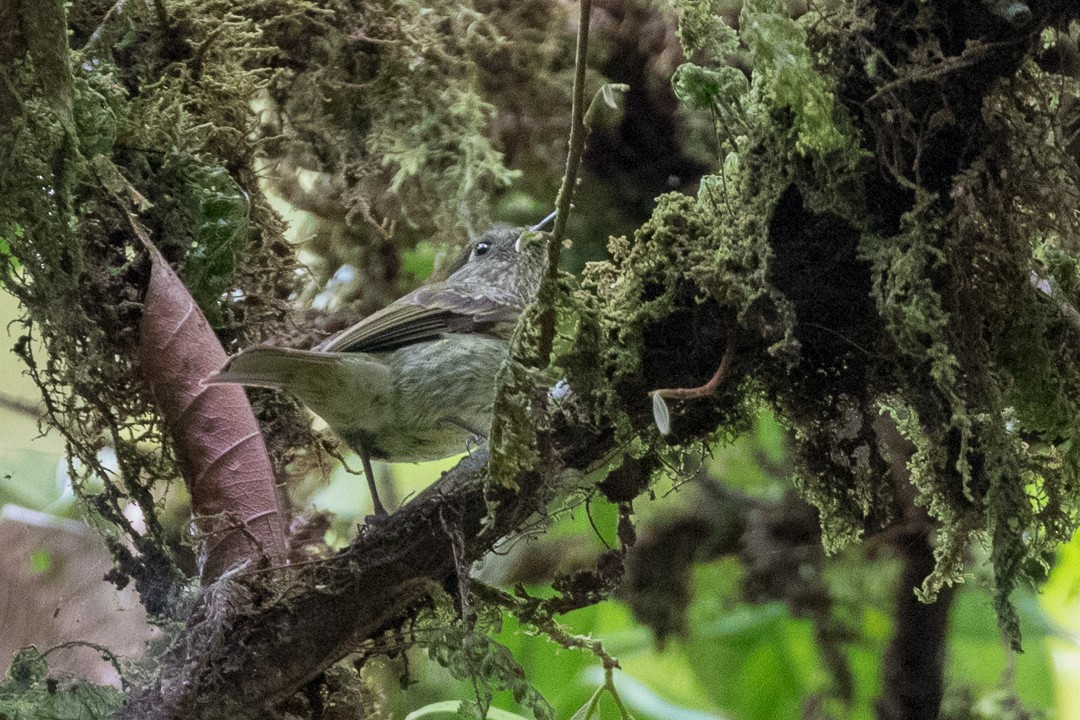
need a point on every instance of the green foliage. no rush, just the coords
(704, 35)
(394, 87)
(464, 648)
(204, 220)
(57, 219)
(748, 661)
(964, 354)
(517, 417)
(974, 470)
(30, 692)
(702, 88)
(434, 150)
(622, 300)
(785, 76)
(220, 235)
(95, 112)
(150, 124)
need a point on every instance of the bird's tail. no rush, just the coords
(274, 367)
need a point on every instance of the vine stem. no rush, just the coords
(566, 191)
(609, 684)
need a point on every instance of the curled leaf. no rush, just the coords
(218, 442)
(609, 96)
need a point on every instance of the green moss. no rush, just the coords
(867, 297)
(785, 75)
(389, 94)
(152, 122)
(31, 691)
(703, 34)
(520, 406)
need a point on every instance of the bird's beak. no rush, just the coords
(545, 221)
(528, 239)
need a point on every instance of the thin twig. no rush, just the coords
(8, 402)
(566, 191)
(577, 129)
(531, 611)
(708, 388)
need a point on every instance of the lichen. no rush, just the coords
(31, 690)
(857, 294)
(148, 118)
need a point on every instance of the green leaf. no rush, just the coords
(757, 661)
(586, 711)
(701, 88)
(645, 701)
(221, 227)
(28, 478)
(744, 621)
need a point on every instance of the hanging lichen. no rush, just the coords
(860, 288)
(147, 116)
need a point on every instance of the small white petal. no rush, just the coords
(660, 414)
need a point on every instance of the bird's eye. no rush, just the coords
(481, 248)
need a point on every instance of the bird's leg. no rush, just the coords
(458, 422)
(365, 459)
(474, 435)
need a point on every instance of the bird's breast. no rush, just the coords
(443, 392)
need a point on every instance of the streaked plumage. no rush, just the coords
(414, 380)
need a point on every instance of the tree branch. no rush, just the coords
(915, 659)
(914, 670)
(566, 191)
(256, 637)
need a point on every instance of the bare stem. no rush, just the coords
(10, 402)
(566, 191)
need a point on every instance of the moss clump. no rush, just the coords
(29, 690)
(463, 646)
(864, 283)
(147, 117)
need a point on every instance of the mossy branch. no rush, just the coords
(288, 624)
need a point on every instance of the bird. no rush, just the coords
(416, 380)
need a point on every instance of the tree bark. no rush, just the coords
(257, 637)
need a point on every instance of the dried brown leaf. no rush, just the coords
(222, 454)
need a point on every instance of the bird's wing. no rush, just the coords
(425, 314)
